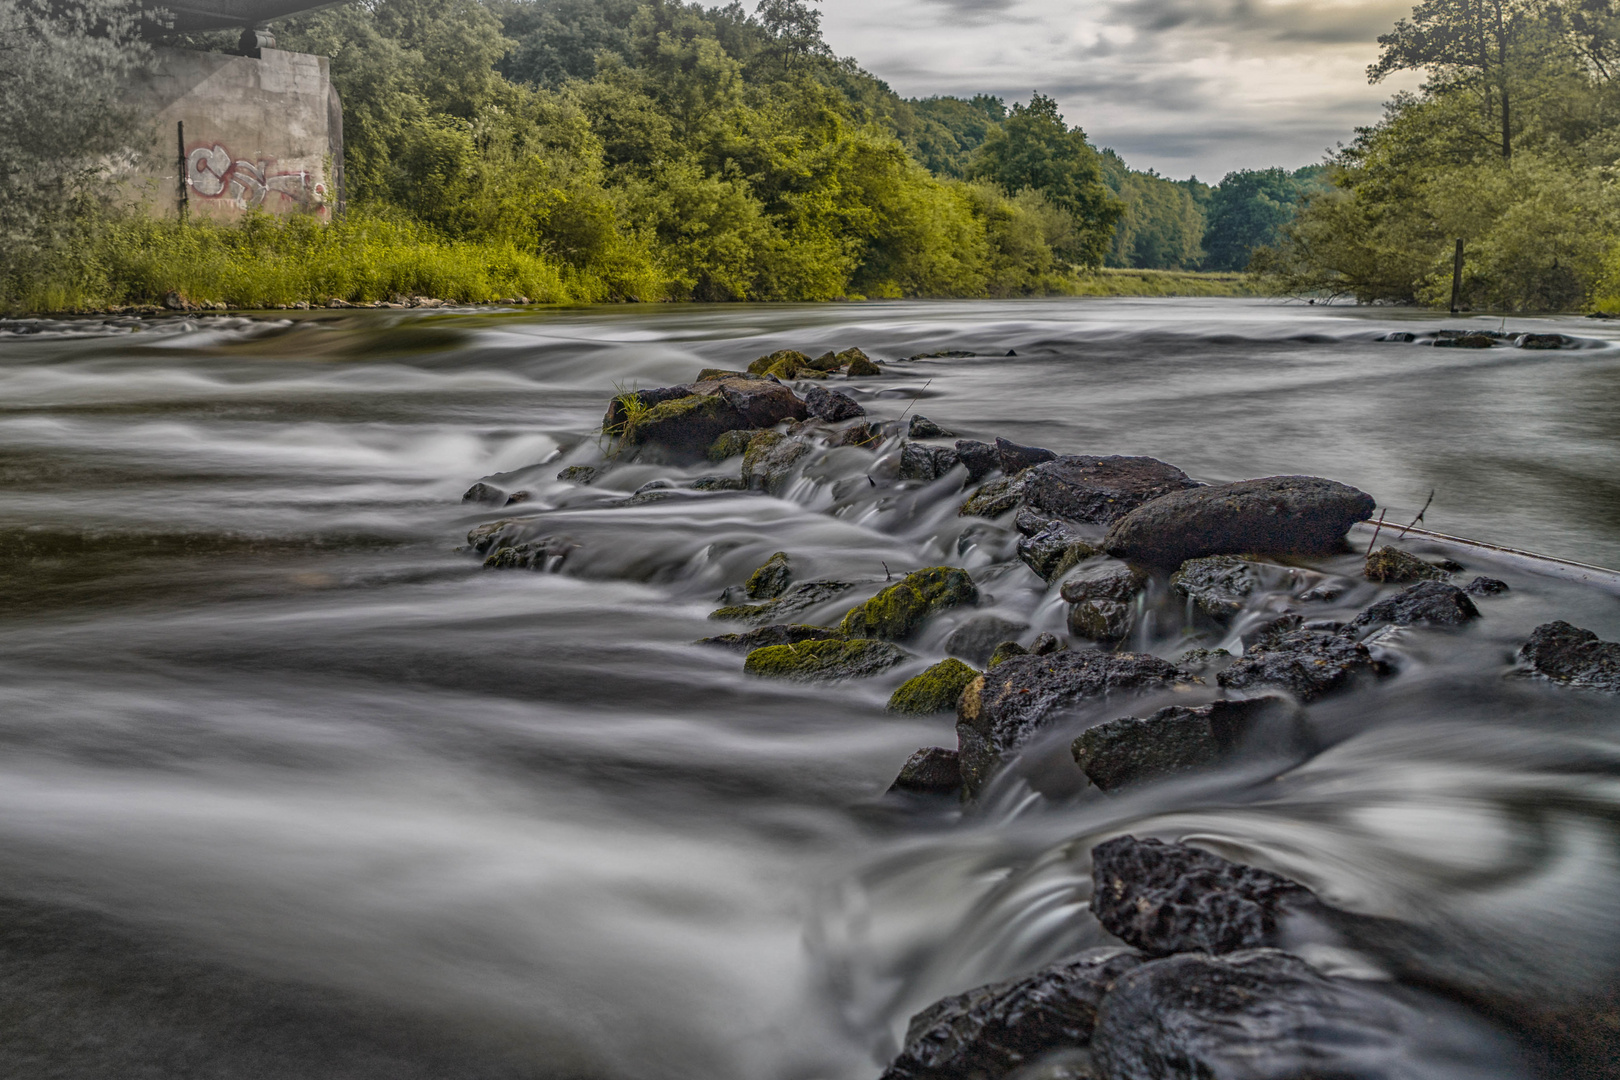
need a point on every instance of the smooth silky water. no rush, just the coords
(290, 787)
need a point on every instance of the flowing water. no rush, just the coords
(291, 787)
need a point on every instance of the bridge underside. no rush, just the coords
(225, 14)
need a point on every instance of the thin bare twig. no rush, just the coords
(925, 386)
(1420, 515)
(1376, 531)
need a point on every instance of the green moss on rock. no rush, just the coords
(1004, 652)
(690, 423)
(768, 582)
(898, 610)
(860, 366)
(764, 364)
(824, 661)
(935, 690)
(1393, 564)
(730, 444)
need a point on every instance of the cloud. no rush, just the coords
(1259, 24)
(976, 10)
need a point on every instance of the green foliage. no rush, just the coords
(1249, 209)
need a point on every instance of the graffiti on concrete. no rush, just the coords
(213, 172)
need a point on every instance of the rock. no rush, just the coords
(798, 597)
(861, 367)
(730, 444)
(994, 499)
(792, 357)
(719, 483)
(831, 405)
(1101, 620)
(1428, 603)
(1176, 739)
(768, 464)
(1571, 655)
(624, 405)
(1275, 515)
(980, 459)
(896, 612)
(1198, 661)
(978, 637)
(924, 428)
(859, 434)
(518, 497)
(932, 770)
(1004, 652)
(794, 365)
(935, 690)
(760, 402)
(1398, 335)
(1542, 341)
(1103, 579)
(1169, 898)
(1393, 564)
(824, 661)
(484, 494)
(780, 634)
(1264, 634)
(992, 1030)
(579, 474)
(1010, 704)
(828, 361)
(710, 373)
(1307, 663)
(1463, 341)
(1046, 645)
(1218, 585)
(542, 553)
(1485, 586)
(688, 425)
(1013, 458)
(1054, 551)
(771, 579)
(1100, 490)
(491, 534)
(927, 463)
(1265, 1015)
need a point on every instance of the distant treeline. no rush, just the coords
(628, 149)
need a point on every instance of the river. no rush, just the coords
(290, 787)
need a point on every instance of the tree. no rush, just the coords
(1477, 43)
(795, 27)
(1249, 210)
(1034, 149)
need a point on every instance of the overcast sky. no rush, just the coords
(1182, 86)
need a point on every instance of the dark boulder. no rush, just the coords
(1390, 564)
(935, 690)
(832, 405)
(579, 474)
(1463, 341)
(623, 406)
(994, 498)
(1542, 341)
(1570, 655)
(1003, 652)
(492, 534)
(518, 497)
(863, 435)
(1398, 335)
(780, 634)
(992, 1030)
(1013, 702)
(978, 637)
(980, 459)
(798, 597)
(1013, 458)
(771, 579)
(831, 660)
(760, 402)
(1270, 631)
(1485, 586)
(930, 771)
(1169, 898)
(540, 553)
(1306, 663)
(686, 426)
(1054, 551)
(1428, 603)
(1103, 579)
(1046, 645)
(928, 463)
(484, 495)
(1100, 490)
(1218, 585)
(719, 483)
(1275, 515)
(896, 612)
(1265, 1015)
(924, 428)
(1101, 620)
(1129, 751)
(768, 463)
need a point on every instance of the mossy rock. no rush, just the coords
(935, 690)
(796, 366)
(896, 612)
(827, 361)
(690, 424)
(861, 367)
(792, 357)
(779, 634)
(1004, 652)
(995, 498)
(824, 661)
(730, 444)
(769, 581)
(578, 474)
(716, 374)
(1393, 565)
(800, 596)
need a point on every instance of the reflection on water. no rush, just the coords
(291, 788)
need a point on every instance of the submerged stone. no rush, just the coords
(768, 464)
(1103, 579)
(1218, 585)
(924, 428)
(1013, 702)
(832, 405)
(897, 611)
(995, 498)
(1485, 586)
(1054, 551)
(978, 637)
(1274, 515)
(927, 463)
(541, 553)
(932, 770)
(779, 634)
(1169, 898)
(1003, 652)
(1391, 564)
(1428, 603)
(1307, 663)
(1573, 656)
(1100, 490)
(1101, 620)
(771, 579)
(484, 494)
(829, 660)
(1130, 751)
(579, 474)
(491, 534)
(795, 598)
(935, 690)
(990, 1031)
